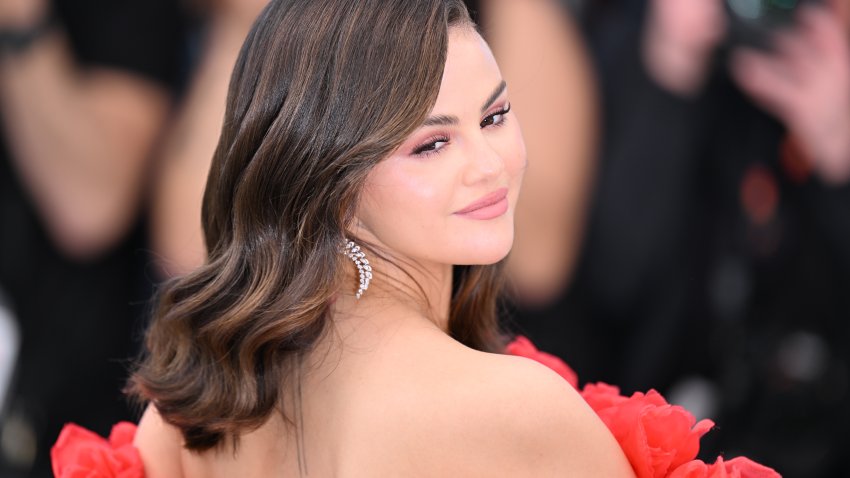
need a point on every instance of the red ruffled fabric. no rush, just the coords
(80, 453)
(660, 440)
(739, 467)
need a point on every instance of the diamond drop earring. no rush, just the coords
(354, 253)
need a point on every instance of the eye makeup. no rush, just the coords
(432, 145)
(490, 120)
(435, 143)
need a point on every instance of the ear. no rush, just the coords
(358, 231)
(363, 212)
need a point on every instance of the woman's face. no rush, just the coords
(448, 194)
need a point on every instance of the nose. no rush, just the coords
(484, 162)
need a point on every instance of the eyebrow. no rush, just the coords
(494, 95)
(445, 120)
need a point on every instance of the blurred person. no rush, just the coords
(184, 159)
(718, 251)
(804, 81)
(84, 90)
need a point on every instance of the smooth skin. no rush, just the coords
(388, 392)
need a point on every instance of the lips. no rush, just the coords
(488, 207)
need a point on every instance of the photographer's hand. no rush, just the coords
(678, 41)
(805, 83)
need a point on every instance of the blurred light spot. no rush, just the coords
(759, 194)
(9, 345)
(803, 356)
(18, 442)
(696, 394)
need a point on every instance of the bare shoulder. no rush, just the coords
(539, 423)
(495, 415)
(160, 446)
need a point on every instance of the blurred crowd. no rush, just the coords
(684, 224)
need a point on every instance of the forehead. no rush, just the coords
(470, 73)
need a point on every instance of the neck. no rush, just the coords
(400, 287)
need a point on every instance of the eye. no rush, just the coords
(497, 118)
(431, 146)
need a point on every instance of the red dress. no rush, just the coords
(659, 439)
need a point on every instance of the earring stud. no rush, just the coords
(353, 252)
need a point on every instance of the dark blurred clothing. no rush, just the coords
(709, 259)
(78, 320)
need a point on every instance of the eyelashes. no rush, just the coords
(431, 145)
(436, 143)
(491, 120)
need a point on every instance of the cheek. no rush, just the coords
(514, 155)
(402, 186)
(403, 196)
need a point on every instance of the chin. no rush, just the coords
(487, 251)
(486, 260)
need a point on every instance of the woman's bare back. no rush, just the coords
(407, 401)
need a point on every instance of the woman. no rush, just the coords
(385, 123)
(359, 204)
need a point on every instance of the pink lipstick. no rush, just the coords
(490, 206)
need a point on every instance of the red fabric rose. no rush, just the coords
(80, 453)
(659, 439)
(656, 437)
(740, 467)
(522, 347)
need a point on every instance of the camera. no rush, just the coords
(753, 22)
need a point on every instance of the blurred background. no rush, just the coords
(684, 225)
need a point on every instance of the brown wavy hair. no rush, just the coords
(322, 91)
